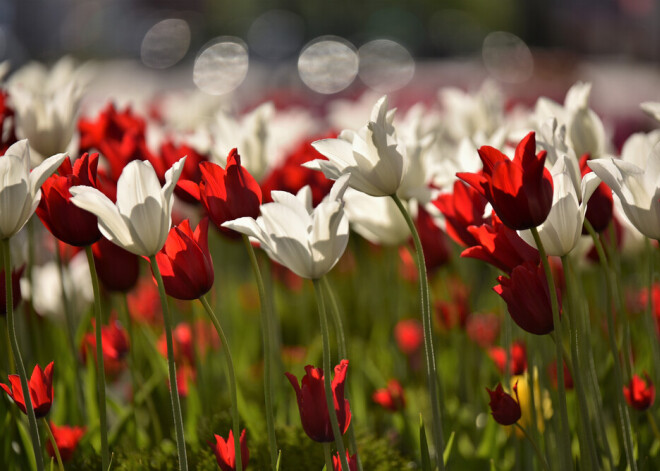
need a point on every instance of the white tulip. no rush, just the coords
(561, 231)
(378, 220)
(637, 188)
(308, 242)
(19, 188)
(142, 217)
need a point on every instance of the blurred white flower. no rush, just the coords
(20, 188)
(652, 108)
(639, 146)
(307, 241)
(142, 217)
(376, 219)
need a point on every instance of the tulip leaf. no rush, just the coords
(448, 447)
(279, 459)
(424, 447)
(27, 444)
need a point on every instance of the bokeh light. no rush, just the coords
(507, 58)
(328, 64)
(221, 66)
(166, 43)
(385, 65)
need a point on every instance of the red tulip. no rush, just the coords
(500, 246)
(517, 360)
(183, 343)
(117, 269)
(226, 194)
(312, 402)
(144, 302)
(7, 124)
(504, 408)
(455, 312)
(66, 221)
(352, 462)
(483, 329)
(434, 242)
(169, 155)
(568, 377)
(66, 438)
(16, 275)
(391, 398)
(520, 190)
(225, 452)
(409, 335)
(640, 394)
(600, 207)
(41, 390)
(185, 262)
(462, 208)
(114, 344)
(527, 298)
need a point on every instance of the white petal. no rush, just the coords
(39, 175)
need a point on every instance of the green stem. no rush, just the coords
(654, 426)
(32, 420)
(58, 457)
(624, 418)
(100, 368)
(564, 431)
(651, 323)
(539, 455)
(174, 389)
(266, 334)
(126, 319)
(327, 454)
(343, 353)
(431, 372)
(327, 368)
(232, 381)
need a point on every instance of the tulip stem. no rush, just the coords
(539, 455)
(32, 419)
(652, 325)
(343, 353)
(622, 415)
(266, 334)
(174, 389)
(232, 381)
(654, 426)
(327, 454)
(564, 431)
(100, 367)
(327, 368)
(54, 444)
(431, 372)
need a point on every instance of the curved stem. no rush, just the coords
(32, 419)
(174, 389)
(622, 415)
(58, 457)
(232, 381)
(431, 372)
(327, 368)
(564, 431)
(539, 455)
(100, 368)
(266, 334)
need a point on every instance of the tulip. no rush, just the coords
(409, 336)
(225, 454)
(170, 153)
(308, 242)
(141, 219)
(391, 398)
(483, 329)
(19, 192)
(66, 438)
(504, 408)
(378, 220)
(185, 262)
(63, 219)
(352, 462)
(527, 298)
(7, 123)
(462, 208)
(114, 344)
(41, 390)
(638, 190)
(436, 251)
(517, 360)
(600, 209)
(312, 402)
(568, 377)
(16, 275)
(118, 269)
(520, 190)
(640, 394)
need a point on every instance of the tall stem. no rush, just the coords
(564, 431)
(651, 323)
(100, 368)
(266, 334)
(431, 372)
(539, 455)
(327, 455)
(174, 389)
(232, 381)
(622, 415)
(32, 419)
(327, 369)
(56, 449)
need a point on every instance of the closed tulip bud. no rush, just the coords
(504, 408)
(225, 452)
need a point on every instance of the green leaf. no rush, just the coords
(448, 447)
(424, 447)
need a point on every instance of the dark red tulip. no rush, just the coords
(66, 221)
(312, 402)
(527, 298)
(391, 398)
(352, 462)
(66, 438)
(568, 377)
(640, 394)
(185, 261)
(600, 207)
(520, 190)
(462, 208)
(225, 452)
(517, 360)
(7, 124)
(41, 390)
(16, 275)
(504, 408)
(434, 242)
(117, 269)
(500, 246)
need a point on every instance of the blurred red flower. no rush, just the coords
(600, 207)
(114, 344)
(409, 335)
(517, 361)
(225, 452)
(640, 394)
(352, 462)
(66, 438)
(392, 397)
